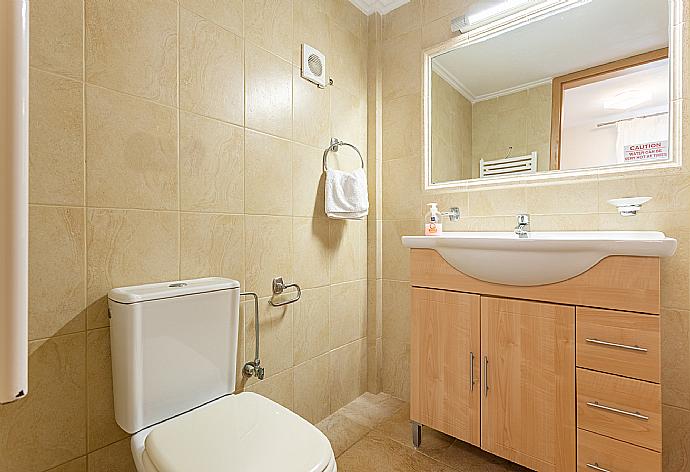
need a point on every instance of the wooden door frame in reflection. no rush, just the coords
(584, 77)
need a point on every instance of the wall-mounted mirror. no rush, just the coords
(531, 86)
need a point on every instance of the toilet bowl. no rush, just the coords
(174, 353)
(243, 432)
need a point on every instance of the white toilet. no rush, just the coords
(174, 350)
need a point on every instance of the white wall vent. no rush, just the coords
(510, 165)
(313, 65)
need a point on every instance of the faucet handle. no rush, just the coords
(523, 219)
(453, 213)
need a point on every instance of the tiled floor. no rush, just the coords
(373, 434)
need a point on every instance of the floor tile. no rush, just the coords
(342, 431)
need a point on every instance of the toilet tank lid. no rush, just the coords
(160, 290)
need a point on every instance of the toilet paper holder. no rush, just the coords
(279, 286)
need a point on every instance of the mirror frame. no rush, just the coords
(528, 15)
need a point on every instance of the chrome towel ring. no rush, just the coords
(335, 142)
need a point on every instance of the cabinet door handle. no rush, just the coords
(635, 414)
(486, 376)
(471, 371)
(622, 346)
(595, 466)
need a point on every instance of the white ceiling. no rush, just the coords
(591, 34)
(378, 6)
(584, 105)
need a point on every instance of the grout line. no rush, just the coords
(85, 228)
(179, 174)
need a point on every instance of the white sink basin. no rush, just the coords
(543, 258)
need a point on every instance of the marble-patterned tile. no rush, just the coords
(310, 26)
(131, 152)
(131, 46)
(311, 111)
(77, 465)
(279, 388)
(308, 180)
(212, 245)
(102, 428)
(269, 246)
(342, 432)
(226, 13)
(115, 457)
(56, 36)
(312, 396)
(211, 165)
(268, 175)
(347, 373)
(348, 313)
(47, 428)
(57, 279)
(371, 409)
(676, 438)
(310, 259)
(347, 242)
(56, 144)
(310, 325)
(211, 69)
(379, 453)
(268, 23)
(395, 373)
(275, 329)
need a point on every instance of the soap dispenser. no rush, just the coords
(433, 225)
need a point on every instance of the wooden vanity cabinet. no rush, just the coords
(523, 372)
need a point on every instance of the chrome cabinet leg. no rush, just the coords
(416, 433)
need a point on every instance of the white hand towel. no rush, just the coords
(346, 194)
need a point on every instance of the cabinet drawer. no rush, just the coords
(619, 343)
(596, 453)
(621, 408)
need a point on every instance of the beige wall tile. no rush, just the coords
(275, 329)
(268, 92)
(347, 15)
(269, 247)
(57, 279)
(395, 256)
(341, 431)
(268, 174)
(395, 372)
(312, 397)
(403, 19)
(311, 26)
(675, 358)
(211, 165)
(268, 23)
(310, 324)
(212, 246)
(433, 9)
(131, 152)
(102, 428)
(130, 46)
(308, 181)
(402, 188)
(77, 465)
(348, 250)
(396, 311)
(310, 257)
(402, 71)
(116, 457)
(669, 192)
(402, 128)
(348, 123)
(226, 13)
(505, 202)
(127, 248)
(311, 112)
(211, 69)
(347, 373)
(46, 428)
(437, 31)
(56, 35)
(348, 313)
(580, 197)
(347, 62)
(676, 438)
(56, 146)
(279, 388)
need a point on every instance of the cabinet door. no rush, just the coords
(528, 383)
(445, 392)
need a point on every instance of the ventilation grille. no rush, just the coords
(508, 166)
(313, 65)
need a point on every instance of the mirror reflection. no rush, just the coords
(580, 84)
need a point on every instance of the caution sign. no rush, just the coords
(653, 151)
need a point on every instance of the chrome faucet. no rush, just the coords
(453, 214)
(522, 228)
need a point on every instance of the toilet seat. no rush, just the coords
(245, 432)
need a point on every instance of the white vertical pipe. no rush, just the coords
(14, 198)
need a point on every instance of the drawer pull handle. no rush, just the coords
(636, 414)
(486, 376)
(622, 346)
(595, 466)
(471, 371)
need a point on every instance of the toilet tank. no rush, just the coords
(174, 347)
